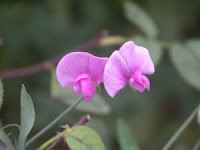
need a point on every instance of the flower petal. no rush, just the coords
(88, 89)
(76, 88)
(146, 82)
(77, 83)
(96, 68)
(137, 86)
(139, 81)
(116, 74)
(70, 66)
(137, 57)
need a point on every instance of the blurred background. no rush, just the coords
(34, 31)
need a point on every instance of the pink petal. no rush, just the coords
(88, 89)
(76, 88)
(77, 84)
(116, 74)
(146, 82)
(137, 86)
(96, 68)
(139, 82)
(70, 66)
(137, 57)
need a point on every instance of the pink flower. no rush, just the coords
(128, 66)
(81, 71)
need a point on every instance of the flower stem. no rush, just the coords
(35, 137)
(10, 125)
(197, 145)
(181, 129)
(56, 140)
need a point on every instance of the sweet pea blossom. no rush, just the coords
(129, 65)
(81, 71)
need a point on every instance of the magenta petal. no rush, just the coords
(139, 81)
(77, 88)
(88, 89)
(80, 77)
(70, 66)
(77, 83)
(96, 68)
(116, 74)
(137, 86)
(137, 57)
(146, 82)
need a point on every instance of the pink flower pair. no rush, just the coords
(84, 72)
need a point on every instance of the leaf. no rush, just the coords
(1, 94)
(186, 59)
(126, 140)
(83, 138)
(27, 118)
(5, 141)
(153, 46)
(98, 105)
(140, 18)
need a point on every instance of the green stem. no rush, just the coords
(181, 129)
(35, 137)
(47, 143)
(197, 145)
(10, 125)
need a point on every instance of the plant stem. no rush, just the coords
(10, 125)
(197, 145)
(56, 140)
(181, 129)
(35, 137)
(46, 65)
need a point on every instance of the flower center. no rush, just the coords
(139, 81)
(84, 84)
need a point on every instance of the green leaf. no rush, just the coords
(140, 18)
(153, 46)
(126, 140)
(98, 105)
(6, 140)
(1, 94)
(27, 118)
(83, 138)
(186, 59)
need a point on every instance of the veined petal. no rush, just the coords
(96, 68)
(116, 74)
(71, 66)
(88, 89)
(137, 57)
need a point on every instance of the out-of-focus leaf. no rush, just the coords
(5, 144)
(98, 105)
(126, 140)
(1, 93)
(140, 18)
(194, 45)
(186, 59)
(27, 118)
(83, 138)
(152, 45)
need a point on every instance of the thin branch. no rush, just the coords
(51, 124)
(60, 140)
(181, 129)
(197, 145)
(46, 65)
